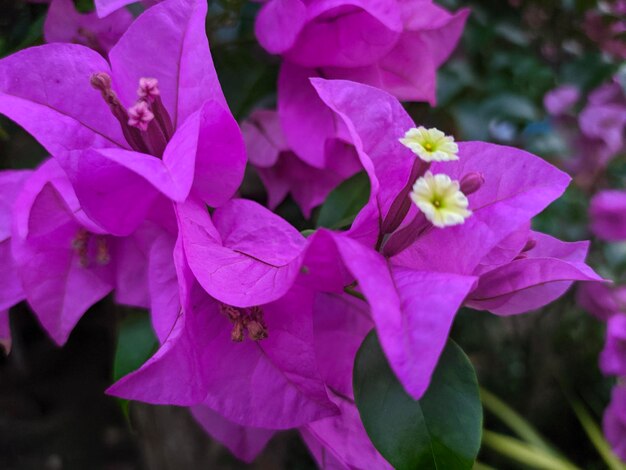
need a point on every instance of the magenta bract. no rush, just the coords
(191, 145)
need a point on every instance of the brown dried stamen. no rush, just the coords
(245, 320)
(88, 246)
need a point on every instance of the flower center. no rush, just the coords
(245, 320)
(146, 125)
(90, 248)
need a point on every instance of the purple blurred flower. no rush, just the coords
(608, 215)
(607, 29)
(283, 173)
(601, 300)
(406, 42)
(65, 24)
(597, 136)
(613, 356)
(608, 304)
(120, 156)
(605, 122)
(614, 422)
(328, 36)
(560, 100)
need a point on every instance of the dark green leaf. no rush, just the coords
(248, 78)
(440, 431)
(84, 6)
(136, 342)
(344, 202)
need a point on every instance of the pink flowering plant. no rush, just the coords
(282, 239)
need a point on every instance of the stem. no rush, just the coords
(350, 291)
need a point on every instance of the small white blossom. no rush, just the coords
(431, 145)
(440, 199)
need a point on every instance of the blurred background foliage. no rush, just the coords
(511, 54)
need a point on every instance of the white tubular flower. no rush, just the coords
(431, 145)
(440, 199)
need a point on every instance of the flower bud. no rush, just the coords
(101, 81)
(471, 183)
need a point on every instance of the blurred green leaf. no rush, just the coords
(526, 454)
(455, 76)
(440, 431)
(344, 202)
(510, 106)
(136, 342)
(32, 35)
(512, 33)
(247, 77)
(482, 466)
(84, 6)
(587, 71)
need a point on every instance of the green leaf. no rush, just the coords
(84, 6)
(307, 233)
(136, 342)
(344, 202)
(441, 430)
(247, 77)
(32, 35)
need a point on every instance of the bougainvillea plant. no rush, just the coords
(341, 332)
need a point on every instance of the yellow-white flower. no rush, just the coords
(440, 199)
(431, 145)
